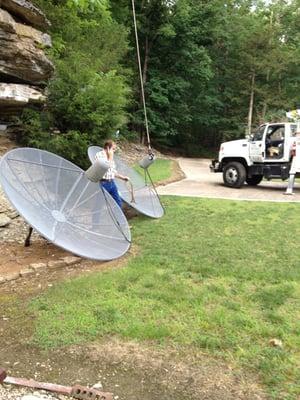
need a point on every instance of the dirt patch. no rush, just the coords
(134, 371)
(15, 257)
(132, 153)
(6, 144)
(171, 373)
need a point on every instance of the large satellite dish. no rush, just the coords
(57, 200)
(139, 193)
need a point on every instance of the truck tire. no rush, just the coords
(234, 174)
(254, 180)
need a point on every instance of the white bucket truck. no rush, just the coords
(267, 153)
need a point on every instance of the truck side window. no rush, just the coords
(277, 134)
(258, 135)
(293, 130)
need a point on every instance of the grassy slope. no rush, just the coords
(218, 275)
(160, 170)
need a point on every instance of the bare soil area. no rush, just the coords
(15, 257)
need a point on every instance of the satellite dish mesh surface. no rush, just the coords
(140, 193)
(57, 200)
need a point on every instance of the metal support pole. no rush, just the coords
(27, 240)
(291, 182)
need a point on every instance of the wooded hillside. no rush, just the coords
(211, 70)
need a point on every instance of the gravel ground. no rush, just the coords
(17, 229)
(8, 392)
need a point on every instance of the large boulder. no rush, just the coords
(40, 38)
(24, 67)
(21, 59)
(26, 12)
(8, 24)
(14, 95)
(21, 55)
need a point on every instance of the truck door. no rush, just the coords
(276, 141)
(289, 141)
(257, 145)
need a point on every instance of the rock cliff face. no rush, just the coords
(24, 67)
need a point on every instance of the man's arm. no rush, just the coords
(123, 177)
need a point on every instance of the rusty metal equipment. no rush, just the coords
(2, 375)
(77, 391)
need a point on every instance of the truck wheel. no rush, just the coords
(254, 180)
(234, 174)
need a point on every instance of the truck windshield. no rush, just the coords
(258, 135)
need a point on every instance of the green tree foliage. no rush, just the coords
(202, 62)
(250, 46)
(180, 72)
(88, 96)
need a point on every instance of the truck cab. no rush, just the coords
(264, 154)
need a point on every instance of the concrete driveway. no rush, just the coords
(200, 182)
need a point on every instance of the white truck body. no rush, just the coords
(266, 153)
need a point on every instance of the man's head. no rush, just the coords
(110, 144)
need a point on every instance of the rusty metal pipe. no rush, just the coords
(38, 385)
(77, 391)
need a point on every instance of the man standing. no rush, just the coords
(108, 180)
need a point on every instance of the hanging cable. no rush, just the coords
(141, 78)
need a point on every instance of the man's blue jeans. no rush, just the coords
(112, 189)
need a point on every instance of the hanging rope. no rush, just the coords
(141, 78)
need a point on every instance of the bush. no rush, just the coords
(81, 99)
(71, 145)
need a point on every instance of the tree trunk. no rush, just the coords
(145, 66)
(265, 105)
(250, 113)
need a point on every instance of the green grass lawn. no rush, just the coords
(215, 275)
(160, 170)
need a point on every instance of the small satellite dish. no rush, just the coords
(147, 161)
(139, 192)
(58, 201)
